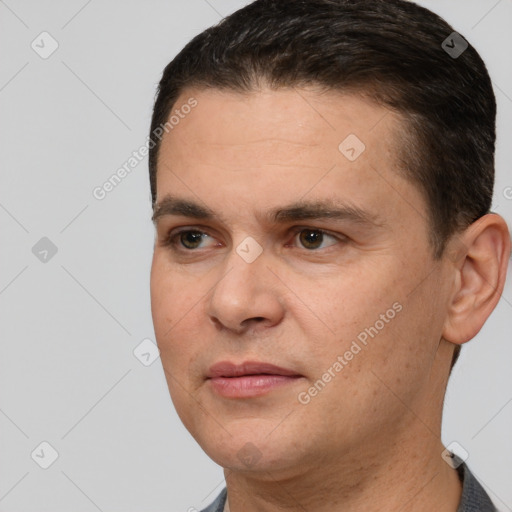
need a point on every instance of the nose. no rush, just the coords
(247, 296)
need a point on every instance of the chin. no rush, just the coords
(249, 459)
(249, 452)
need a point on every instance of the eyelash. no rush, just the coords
(173, 240)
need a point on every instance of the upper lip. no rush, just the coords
(229, 369)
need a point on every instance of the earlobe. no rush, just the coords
(481, 267)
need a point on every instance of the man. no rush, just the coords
(321, 180)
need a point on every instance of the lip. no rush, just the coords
(229, 369)
(248, 379)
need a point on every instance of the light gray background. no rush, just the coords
(68, 375)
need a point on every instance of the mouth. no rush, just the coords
(249, 379)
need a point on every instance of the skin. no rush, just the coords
(370, 439)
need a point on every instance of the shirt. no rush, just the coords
(473, 499)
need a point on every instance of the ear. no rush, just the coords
(481, 261)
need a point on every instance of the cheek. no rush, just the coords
(173, 312)
(171, 308)
(355, 300)
(371, 326)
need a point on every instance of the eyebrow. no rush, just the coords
(300, 210)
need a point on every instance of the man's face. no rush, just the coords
(353, 304)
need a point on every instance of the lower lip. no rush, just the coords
(249, 385)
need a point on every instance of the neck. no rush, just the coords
(409, 475)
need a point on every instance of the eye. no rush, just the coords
(189, 239)
(312, 239)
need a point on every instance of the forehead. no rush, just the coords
(273, 147)
(290, 122)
